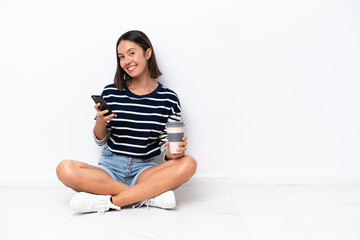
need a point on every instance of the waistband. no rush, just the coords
(107, 152)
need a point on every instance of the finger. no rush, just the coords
(182, 144)
(111, 116)
(97, 106)
(104, 112)
(181, 149)
(101, 114)
(184, 138)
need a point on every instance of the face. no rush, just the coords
(132, 59)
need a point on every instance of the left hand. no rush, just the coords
(181, 148)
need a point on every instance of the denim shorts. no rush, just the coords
(123, 168)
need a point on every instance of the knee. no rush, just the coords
(65, 170)
(188, 166)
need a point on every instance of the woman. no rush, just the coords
(135, 134)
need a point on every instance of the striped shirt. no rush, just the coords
(139, 128)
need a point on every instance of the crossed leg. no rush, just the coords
(151, 182)
(155, 180)
(83, 177)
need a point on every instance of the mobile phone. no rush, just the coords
(103, 106)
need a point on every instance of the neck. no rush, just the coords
(143, 82)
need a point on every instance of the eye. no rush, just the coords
(120, 57)
(132, 53)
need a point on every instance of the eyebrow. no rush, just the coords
(126, 51)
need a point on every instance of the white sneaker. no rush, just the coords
(165, 200)
(83, 202)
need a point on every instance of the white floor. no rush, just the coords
(204, 211)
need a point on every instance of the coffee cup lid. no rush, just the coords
(175, 124)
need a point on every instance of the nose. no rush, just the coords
(127, 60)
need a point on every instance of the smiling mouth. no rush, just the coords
(130, 69)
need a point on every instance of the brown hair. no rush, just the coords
(121, 77)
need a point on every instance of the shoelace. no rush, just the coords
(101, 207)
(147, 202)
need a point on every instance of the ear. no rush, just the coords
(148, 53)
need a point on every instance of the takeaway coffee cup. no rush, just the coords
(175, 132)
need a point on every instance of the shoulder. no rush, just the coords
(109, 89)
(110, 86)
(168, 93)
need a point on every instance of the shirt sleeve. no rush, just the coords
(106, 138)
(175, 116)
(108, 131)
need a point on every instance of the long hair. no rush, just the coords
(121, 77)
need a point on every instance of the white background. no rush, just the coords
(269, 89)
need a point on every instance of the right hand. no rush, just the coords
(100, 114)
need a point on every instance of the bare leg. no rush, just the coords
(83, 177)
(158, 179)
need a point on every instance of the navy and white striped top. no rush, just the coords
(139, 128)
